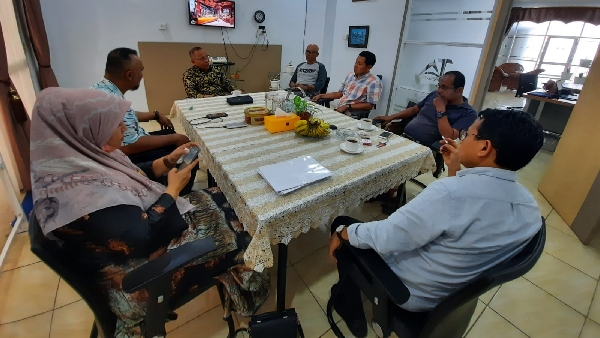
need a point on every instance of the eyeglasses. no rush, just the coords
(444, 87)
(310, 52)
(194, 122)
(201, 59)
(463, 134)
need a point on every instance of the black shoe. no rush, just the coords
(355, 320)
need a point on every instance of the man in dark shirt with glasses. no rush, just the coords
(203, 79)
(444, 112)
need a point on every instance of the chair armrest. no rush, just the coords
(370, 262)
(501, 71)
(166, 264)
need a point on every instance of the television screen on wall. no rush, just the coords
(216, 13)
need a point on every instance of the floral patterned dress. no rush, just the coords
(110, 242)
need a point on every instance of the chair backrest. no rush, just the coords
(52, 255)
(324, 89)
(451, 317)
(527, 82)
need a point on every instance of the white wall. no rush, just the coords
(326, 49)
(385, 20)
(82, 32)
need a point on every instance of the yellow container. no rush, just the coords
(276, 124)
(255, 115)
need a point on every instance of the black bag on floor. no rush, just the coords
(276, 324)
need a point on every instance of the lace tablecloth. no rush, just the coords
(233, 157)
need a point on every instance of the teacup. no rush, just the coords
(236, 93)
(366, 123)
(352, 144)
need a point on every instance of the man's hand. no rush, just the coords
(164, 122)
(316, 98)
(383, 119)
(334, 244)
(439, 104)
(450, 152)
(180, 151)
(179, 139)
(342, 108)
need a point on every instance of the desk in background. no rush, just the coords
(553, 114)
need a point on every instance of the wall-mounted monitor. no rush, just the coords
(216, 13)
(358, 36)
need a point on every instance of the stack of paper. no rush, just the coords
(285, 177)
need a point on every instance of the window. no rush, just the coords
(554, 46)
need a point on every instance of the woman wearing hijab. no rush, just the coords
(112, 217)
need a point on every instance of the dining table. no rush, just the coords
(233, 158)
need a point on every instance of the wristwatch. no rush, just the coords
(338, 232)
(156, 115)
(440, 114)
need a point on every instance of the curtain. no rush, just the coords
(39, 41)
(564, 14)
(16, 121)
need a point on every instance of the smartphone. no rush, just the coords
(188, 158)
(216, 115)
(385, 134)
(236, 125)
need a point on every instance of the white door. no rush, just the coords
(439, 36)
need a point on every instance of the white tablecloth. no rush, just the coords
(234, 155)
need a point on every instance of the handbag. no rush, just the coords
(280, 324)
(237, 100)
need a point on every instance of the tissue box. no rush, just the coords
(276, 124)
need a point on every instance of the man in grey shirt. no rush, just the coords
(458, 226)
(311, 75)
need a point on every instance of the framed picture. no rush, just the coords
(358, 36)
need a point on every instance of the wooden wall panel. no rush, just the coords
(165, 62)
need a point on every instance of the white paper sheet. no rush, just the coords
(287, 176)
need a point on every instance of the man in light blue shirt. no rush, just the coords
(459, 226)
(124, 71)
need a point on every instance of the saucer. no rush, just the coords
(358, 151)
(361, 128)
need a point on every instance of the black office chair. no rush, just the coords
(155, 276)
(451, 317)
(324, 89)
(527, 83)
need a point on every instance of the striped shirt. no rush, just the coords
(134, 130)
(358, 89)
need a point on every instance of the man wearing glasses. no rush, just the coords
(204, 80)
(442, 113)
(459, 226)
(310, 76)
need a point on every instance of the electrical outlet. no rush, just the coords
(263, 29)
(162, 26)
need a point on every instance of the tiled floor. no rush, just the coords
(560, 297)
